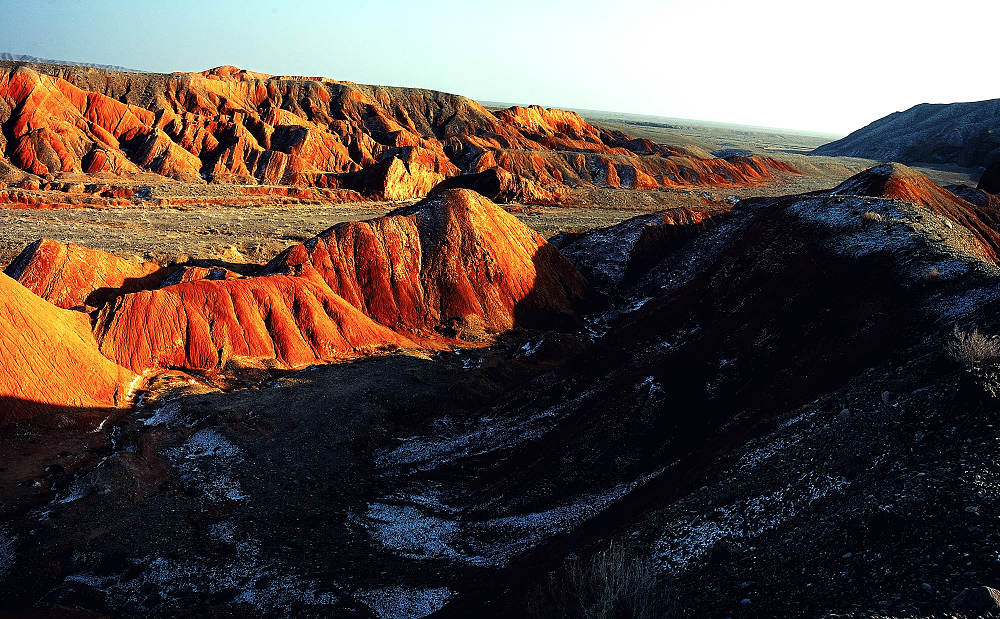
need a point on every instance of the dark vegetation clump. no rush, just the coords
(611, 584)
(971, 348)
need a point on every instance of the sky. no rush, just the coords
(824, 66)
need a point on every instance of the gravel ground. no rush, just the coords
(229, 234)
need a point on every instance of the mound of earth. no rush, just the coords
(955, 133)
(281, 321)
(71, 276)
(898, 182)
(454, 262)
(618, 255)
(49, 361)
(228, 125)
(499, 185)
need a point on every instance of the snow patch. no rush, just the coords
(403, 603)
(168, 415)
(418, 526)
(8, 550)
(205, 462)
(690, 540)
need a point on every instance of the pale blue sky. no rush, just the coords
(826, 66)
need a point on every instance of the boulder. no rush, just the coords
(977, 600)
(990, 180)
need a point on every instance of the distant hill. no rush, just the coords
(232, 126)
(964, 134)
(25, 58)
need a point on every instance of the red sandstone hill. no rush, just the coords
(233, 126)
(280, 321)
(455, 261)
(71, 276)
(453, 265)
(49, 359)
(898, 182)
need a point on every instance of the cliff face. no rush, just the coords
(233, 126)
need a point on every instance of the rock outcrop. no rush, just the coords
(49, 360)
(499, 185)
(454, 262)
(233, 126)
(898, 182)
(616, 255)
(276, 321)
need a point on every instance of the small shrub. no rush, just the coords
(872, 217)
(611, 584)
(971, 348)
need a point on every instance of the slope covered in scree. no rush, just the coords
(898, 182)
(957, 133)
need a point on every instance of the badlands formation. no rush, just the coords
(753, 383)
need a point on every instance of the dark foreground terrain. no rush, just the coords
(759, 417)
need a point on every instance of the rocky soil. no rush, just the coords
(769, 442)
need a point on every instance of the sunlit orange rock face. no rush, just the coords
(896, 181)
(49, 360)
(234, 126)
(502, 186)
(280, 321)
(71, 276)
(452, 267)
(453, 262)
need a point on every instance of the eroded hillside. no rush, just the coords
(78, 129)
